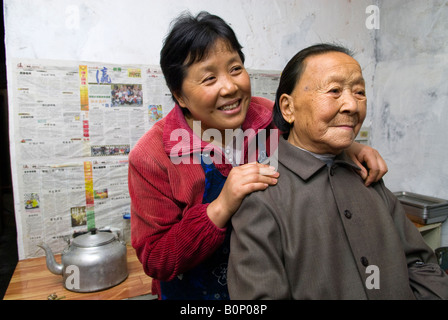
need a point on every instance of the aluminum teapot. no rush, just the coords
(92, 261)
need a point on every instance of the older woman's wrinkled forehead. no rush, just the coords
(329, 67)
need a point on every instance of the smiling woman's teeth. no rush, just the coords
(229, 107)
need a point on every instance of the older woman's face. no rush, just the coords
(217, 90)
(328, 105)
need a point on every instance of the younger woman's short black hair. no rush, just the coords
(189, 41)
(291, 75)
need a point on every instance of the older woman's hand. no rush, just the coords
(242, 180)
(376, 166)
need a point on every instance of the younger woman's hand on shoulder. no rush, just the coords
(376, 166)
(242, 180)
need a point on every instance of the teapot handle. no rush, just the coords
(116, 231)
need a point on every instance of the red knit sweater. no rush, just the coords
(171, 231)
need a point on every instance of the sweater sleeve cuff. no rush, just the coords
(198, 217)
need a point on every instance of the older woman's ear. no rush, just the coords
(286, 104)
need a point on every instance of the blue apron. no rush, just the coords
(208, 280)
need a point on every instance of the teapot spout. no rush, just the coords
(52, 265)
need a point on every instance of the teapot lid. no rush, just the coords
(93, 239)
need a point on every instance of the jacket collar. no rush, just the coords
(304, 164)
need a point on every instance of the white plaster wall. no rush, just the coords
(410, 116)
(132, 31)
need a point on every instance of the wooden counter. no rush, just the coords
(33, 281)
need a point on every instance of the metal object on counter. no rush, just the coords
(54, 296)
(92, 261)
(423, 209)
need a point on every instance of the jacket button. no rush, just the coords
(364, 261)
(332, 170)
(348, 214)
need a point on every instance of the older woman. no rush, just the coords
(181, 209)
(320, 233)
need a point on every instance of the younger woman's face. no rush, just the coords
(217, 90)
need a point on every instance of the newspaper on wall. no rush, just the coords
(73, 125)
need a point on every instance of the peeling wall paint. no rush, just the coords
(271, 31)
(410, 114)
